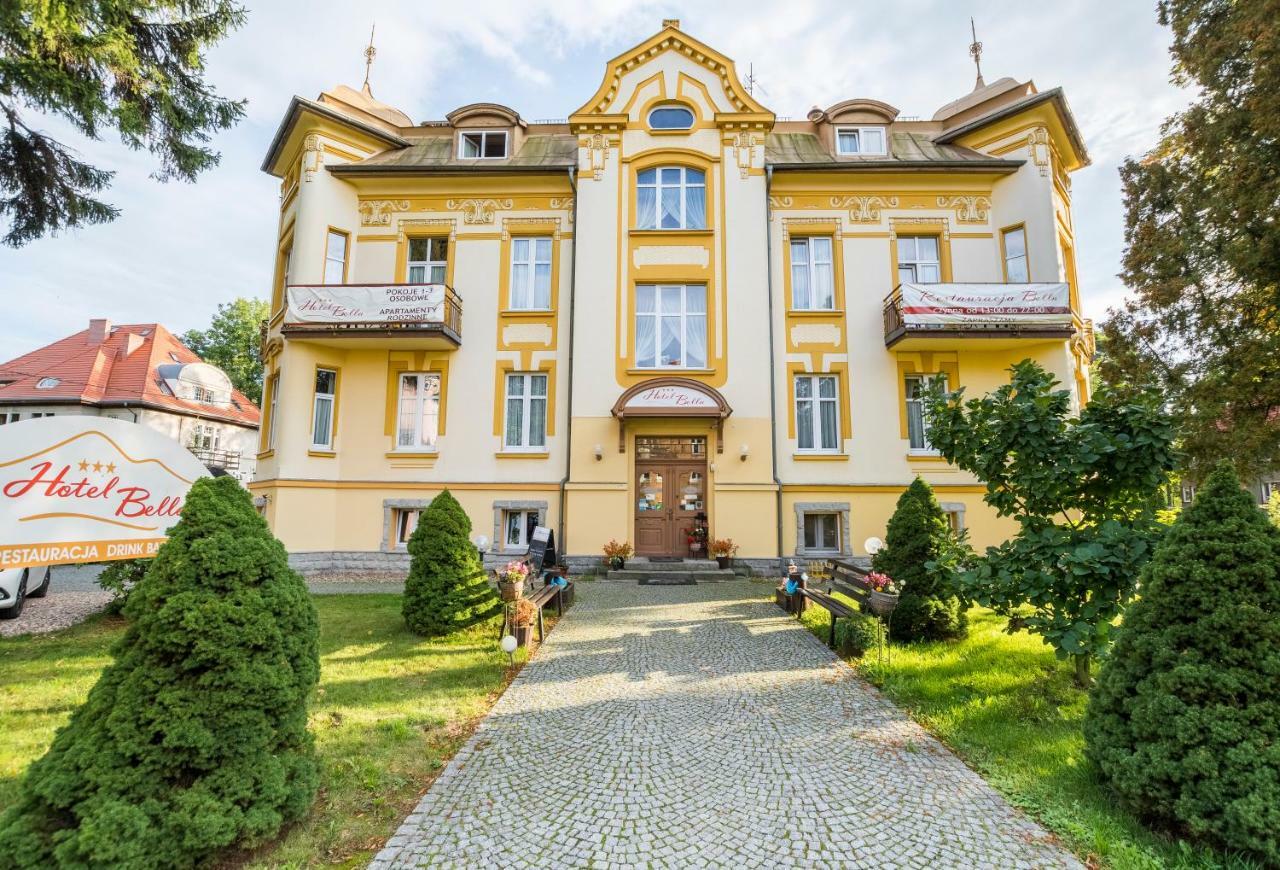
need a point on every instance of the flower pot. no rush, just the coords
(723, 562)
(511, 590)
(695, 547)
(617, 563)
(523, 634)
(881, 603)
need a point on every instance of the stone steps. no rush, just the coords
(658, 575)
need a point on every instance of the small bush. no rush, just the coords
(119, 578)
(446, 589)
(1184, 721)
(194, 739)
(857, 634)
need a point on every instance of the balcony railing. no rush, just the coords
(212, 457)
(1032, 311)
(373, 311)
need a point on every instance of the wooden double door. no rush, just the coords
(669, 496)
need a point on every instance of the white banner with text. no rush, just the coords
(365, 303)
(941, 304)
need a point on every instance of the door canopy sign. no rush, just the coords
(984, 304)
(671, 397)
(88, 489)
(365, 303)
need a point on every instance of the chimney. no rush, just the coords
(671, 22)
(99, 329)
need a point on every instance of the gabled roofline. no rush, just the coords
(299, 105)
(1001, 165)
(1054, 96)
(448, 169)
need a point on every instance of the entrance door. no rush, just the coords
(671, 481)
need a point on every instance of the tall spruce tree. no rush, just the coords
(1184, 721)
(446, 588)
(917, 545)
(126, 64)
(1202, 235)
(194, 739)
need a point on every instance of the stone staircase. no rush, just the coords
(685, 573)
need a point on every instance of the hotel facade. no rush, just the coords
(671, 309)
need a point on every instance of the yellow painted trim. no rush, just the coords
(444, 230)
(265, 454)
(323, 454)
(669, 156)
(406, 362)
(517, 454)
(923, 363)
(820, 457)
(506, 367)
(925, 457)
(513, 228)
(938, 228)
(283, 250)
(835, 317)
(406, 454)
(497, 486)
(272, 386)
(346, 252)
(337, 383)
(1004, 257)
(843, 394)
(877, 487)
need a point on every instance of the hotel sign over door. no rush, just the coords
(365, 303)
(671, 397)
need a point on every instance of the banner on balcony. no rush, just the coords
(943, 304)
(365, 303)
(88, 489)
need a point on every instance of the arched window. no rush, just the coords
(670, 118)
(671, 198)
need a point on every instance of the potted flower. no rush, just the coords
(522, 621)
(882, 595)
(723, 549)
(616, 554)
(511, 579)
(697, 538)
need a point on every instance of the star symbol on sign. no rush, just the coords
(111, 468)
(84, 465)
(97, 466)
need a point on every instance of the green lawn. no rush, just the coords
(1010, 710)
(390, 709)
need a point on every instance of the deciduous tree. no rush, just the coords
(233, 343)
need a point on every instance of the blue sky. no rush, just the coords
(179, 249)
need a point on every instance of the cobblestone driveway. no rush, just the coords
(699, 726)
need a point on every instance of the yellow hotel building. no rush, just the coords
(673, 308)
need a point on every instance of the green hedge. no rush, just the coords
(857, 634)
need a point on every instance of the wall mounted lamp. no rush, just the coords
(599, 452)
(746, 451)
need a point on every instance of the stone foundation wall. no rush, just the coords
(379, 562)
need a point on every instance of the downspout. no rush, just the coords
(568, 421)
(773, 380)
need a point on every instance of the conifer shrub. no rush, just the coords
(194, 739)
(856, 634)
(1184, 720)
(917, 546)
(446, 588)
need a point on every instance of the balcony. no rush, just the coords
(212, 457)
(1000, 316)
(426, 316)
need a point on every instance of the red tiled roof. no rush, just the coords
(122, 367)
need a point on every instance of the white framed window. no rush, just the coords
(10, 417)
(860, 140)
(335, 257)
(917, 386)
(918, 261)
(47, 383)
(671, 198)
(205, 436)
(1269, 487)
(406, 521)
(517, 528)
(670, 118)
(273, 388)
(1015, 255)
(418, 412)
(671, 326)
(822, 532)
(817, 413)
(812, 277)
(428, 260)
(482, 144)
(526, 427)
(322, 407)
(531, 273)
(1188, 493)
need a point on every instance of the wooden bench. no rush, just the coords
(837, 608)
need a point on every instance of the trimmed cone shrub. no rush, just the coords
(928, 608)
(446, 589)
(1184, 721)
(195, 737)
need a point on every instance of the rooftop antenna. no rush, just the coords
(752, 82)
(369, 54)
(975, 50)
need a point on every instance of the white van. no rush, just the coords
(15, 588)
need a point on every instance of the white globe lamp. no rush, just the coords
(874, 545)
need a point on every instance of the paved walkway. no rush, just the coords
(695, 727)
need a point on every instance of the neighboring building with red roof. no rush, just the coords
(138, 372)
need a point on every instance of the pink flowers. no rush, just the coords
(881, 583)
(515, 570)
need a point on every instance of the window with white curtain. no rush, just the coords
(418, 414)
(860, 140)
(812, 281)
(671, 198)
(918, 261)
(335, 258)
(917, 386)
(531, 273)
(428, 260)
(1015, 255)
(817, 413)
(526, 427)
(322, 409)
(671, 326)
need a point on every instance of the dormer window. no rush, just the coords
(47, 383)
(860, 140)
(483, 145)
(670, 118)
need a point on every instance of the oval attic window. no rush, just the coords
(671, 118)
(47, 383)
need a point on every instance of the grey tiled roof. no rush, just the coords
(905, 149)
(536, 152)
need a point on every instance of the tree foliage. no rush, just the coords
(1084, 492)
(446, 588)
(1202, 234)
(233, 343)
(1184, 721)
(918, 544)
(126, 64)
(194, 739)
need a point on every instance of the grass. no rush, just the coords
(390, 710)
(1006, 706)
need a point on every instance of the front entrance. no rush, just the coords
(671, 485)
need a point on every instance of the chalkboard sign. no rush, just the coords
(542, 549)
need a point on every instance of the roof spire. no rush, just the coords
(369, 54)
(975, 50)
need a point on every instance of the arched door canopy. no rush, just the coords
(671, 397)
